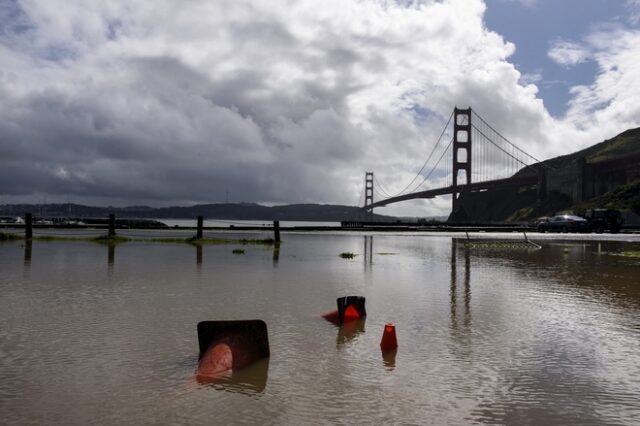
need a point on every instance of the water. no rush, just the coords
(92, 334)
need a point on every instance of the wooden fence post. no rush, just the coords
(28, 226)
(199, 231)
(112, 225)
(276, 231)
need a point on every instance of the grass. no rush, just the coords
(106, 239)
(623, 144)
(347, 255)
(623, 197)
(521, 215)
(109, 239)
(8, 237)
(635, 254)
(238, 251)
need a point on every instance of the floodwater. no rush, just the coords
(97, 334)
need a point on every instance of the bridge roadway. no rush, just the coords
(514, 181)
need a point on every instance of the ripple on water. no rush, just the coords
(517, 338)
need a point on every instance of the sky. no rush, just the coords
(176, 103)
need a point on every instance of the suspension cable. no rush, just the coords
(426, 161)
(378, 185)
(361, 196)
(509, 142)
(502, 149)
(434, 167)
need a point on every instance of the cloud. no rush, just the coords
(634, 9)
(567, 53)
(613, 100)
(526, 3)
(526, 79)
(276, 102)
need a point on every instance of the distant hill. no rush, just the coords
(619, 190)
(228, 211)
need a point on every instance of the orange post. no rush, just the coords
(389, 341)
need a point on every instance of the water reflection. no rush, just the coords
(368, 252)
(389, 359)
(199, 255)
(550, 337)
(111, 255)
(249, 380)
(26, 270)
(453, 292)
(349, 330)
(595, 271)
(276, 253)
(28, 246)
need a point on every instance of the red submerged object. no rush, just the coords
(389, 341)
(226, 346)
(350, 308)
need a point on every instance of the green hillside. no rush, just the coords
(522, 205)
(624, 197)
(626, 143)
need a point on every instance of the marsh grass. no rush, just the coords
(243, 241)
(4, 236)
(107, 239)
(632, 254)
(238, 251)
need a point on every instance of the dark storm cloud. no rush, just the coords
(168, 132)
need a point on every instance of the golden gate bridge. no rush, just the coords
(469, 156)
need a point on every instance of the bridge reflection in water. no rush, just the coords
(466, 291)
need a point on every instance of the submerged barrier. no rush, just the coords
(226, 346)
(493, 243)
(350, 308)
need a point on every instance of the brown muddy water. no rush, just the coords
(92, 334)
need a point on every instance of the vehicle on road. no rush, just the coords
(564, 223)
(602, 220)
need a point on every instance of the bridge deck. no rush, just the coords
(514, 181)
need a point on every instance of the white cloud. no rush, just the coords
(164, 102)
(526, 3)
(532, 78)
(634, 11)
(567, 53)
(612, 102)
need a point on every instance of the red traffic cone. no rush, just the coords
(389, 341)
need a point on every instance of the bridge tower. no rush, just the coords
(461, 151)
(368, 195)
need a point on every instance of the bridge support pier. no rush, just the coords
(368, 196)
(461, 153)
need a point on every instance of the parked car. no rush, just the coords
(604, 220)
(540, 220)
(565, 223)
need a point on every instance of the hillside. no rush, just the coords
(625, 144)
(613, 170)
